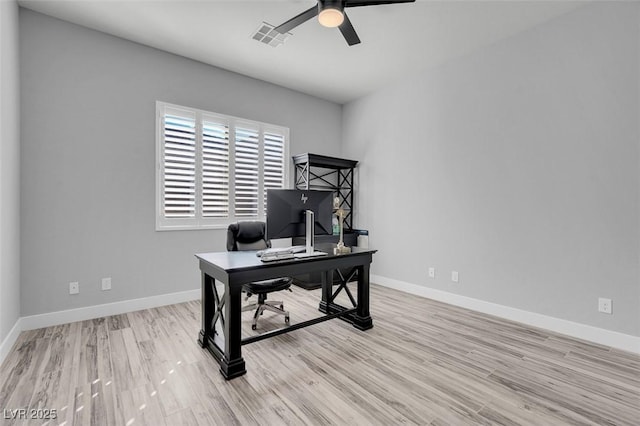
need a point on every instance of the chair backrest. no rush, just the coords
(243, 236)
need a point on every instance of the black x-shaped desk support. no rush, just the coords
(343, 285)
(219, 305)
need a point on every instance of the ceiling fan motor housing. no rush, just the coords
(330, 13)
(330, 4)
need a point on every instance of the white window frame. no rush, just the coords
(198, 221)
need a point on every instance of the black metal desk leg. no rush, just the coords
(208, 309)
(327, 288)
(362, 319)
(232, 365)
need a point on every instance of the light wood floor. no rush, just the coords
(424, 362)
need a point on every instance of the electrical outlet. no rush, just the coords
(106, 284)
(454, 276)
(604, 306)
(74, 288)
(432, 272)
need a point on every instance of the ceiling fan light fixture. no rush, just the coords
(331, 14)
(331, 17)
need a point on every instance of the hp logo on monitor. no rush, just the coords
(304, 198)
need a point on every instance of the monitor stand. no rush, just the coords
(310, 221)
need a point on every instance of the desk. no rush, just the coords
(221, 332)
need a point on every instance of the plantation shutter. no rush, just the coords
(247, 168)
(215, 169)
(274, 166)
(179, 165)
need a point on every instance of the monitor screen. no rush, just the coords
(286, 212)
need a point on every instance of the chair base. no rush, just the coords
(265, 305)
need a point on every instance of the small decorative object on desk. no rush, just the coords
(363, 238)
(340, 212)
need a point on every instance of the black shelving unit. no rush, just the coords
(314, 171)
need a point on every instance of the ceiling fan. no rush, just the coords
(331, 14)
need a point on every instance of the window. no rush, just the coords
(214, 169)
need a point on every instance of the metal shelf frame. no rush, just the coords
(313, 171)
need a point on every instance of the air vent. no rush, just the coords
(267, 35)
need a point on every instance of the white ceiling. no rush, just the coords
(397, 40)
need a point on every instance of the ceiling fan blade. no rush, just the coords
(297, 20)
(356, 3)
(349, 32)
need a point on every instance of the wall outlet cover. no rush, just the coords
(106, 284)
(605, 305)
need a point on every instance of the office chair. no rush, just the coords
(244, 236)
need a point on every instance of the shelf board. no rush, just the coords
(327, 162)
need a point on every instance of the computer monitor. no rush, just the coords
(287, 212)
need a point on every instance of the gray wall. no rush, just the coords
(9, 169)
(88, 160)
(517, 166)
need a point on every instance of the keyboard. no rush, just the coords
(283, 253)
(273, 256)
(280, 250)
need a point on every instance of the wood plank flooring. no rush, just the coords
(424, 363)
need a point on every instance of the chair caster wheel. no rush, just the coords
(282, 307)
(253, 327)
(286, 320)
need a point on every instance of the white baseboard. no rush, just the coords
(8, 341)
(581, 331)
(98, 311)
(90, 312)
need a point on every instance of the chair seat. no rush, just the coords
(268, 286)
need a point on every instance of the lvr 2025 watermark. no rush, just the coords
(29, 413)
